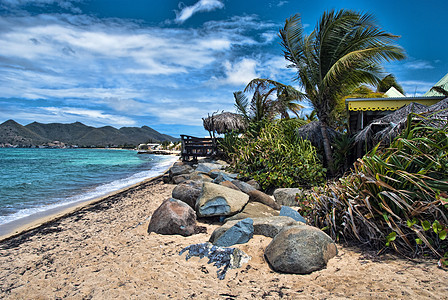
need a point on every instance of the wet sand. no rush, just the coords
(103, 251)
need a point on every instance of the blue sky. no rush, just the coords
(167, 64)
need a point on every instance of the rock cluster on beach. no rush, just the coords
(206, 190)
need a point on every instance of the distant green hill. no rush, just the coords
(36, 134)
(13, 133)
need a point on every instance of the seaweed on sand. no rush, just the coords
(227, 258)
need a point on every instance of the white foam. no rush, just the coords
(97, 192)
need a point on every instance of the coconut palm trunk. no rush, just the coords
(327, 147)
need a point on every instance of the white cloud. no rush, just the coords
(281, 3)
(269, 36)
(170, 111)
(241, 72)
(96, 116)
(418, 65)
(122, 71)
(129, 106)
(65, 4)
(237, 74)
(200, 6)
(276, 67)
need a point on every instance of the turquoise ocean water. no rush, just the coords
(35, 180)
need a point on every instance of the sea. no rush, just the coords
(33, 181)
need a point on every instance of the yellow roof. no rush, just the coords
(372, 104)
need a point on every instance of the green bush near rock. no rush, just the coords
(276, 157)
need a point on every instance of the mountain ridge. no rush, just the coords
(77, 133)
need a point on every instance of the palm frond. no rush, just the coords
(241, 103)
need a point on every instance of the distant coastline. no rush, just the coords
(76, 135)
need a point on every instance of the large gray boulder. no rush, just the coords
(254, 210)
(215, 173)
(300, 250)
(177, 170)
(266, 226)
(207, 167)
(240, 233)
(200, 176)
(180, 178)
(173, 217)
(188, 192)
(222, 177)
(218, 200)
(258, 196)
(287, 196)
(244, 187)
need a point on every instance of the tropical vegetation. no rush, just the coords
(275, 156)
(387, 82)
(342, 52)
(394, 197)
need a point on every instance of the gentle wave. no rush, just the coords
(96, 192)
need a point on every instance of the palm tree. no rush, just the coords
(259, 108)
(387, 82)
(286, 95)
(342, 52)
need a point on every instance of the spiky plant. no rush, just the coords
(396, 197)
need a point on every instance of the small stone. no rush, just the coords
(222, 177)
(230, 185)
(254, 210)
(180, 170)
(258, 196)
(289, 212)
(266, 226)
(240, 233)
(180, 178)
(244, 187)
(287, 196)
(254, 184)
(207, 167)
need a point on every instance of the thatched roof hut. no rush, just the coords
(312, 132)
(388, 127)
(439, 110)
(225, 122)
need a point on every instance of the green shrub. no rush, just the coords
(277, 158)
(395, 197)
(228, 145)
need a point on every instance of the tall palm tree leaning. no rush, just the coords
(344, 50)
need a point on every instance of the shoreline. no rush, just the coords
(36, 220)
(104, 251)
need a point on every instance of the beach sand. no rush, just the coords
(103, 251)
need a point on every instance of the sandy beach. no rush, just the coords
(103, 251)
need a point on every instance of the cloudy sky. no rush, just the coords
(167, 64)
